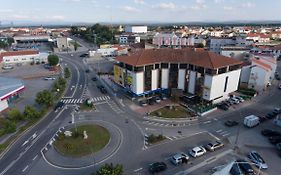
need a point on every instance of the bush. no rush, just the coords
(15, 115)
(9, 126)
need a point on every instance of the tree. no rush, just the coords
(76, 45)
(15, 115)
(30, 113)
(66, 72)
(53, 60)
(110, 169)
(45, 97)
(200, 45)
(9, 126)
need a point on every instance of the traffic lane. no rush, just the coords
(28, 157)
(163, 152)
(20, 145)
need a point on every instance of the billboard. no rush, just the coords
(118, 75)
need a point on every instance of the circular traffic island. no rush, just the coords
(82, 140)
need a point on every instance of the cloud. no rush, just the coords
(129, 9)
(228, 8)
(139, 1)
(199, 4)
(168, 5)
(218, 1)
(248, 5)
(56, 17)
(71, 0)
(21, 17)
(6, 10)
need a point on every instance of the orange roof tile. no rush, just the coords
(202, 58)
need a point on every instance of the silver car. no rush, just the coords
(179, 158)
(257, 160)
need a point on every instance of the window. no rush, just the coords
(157, 66)
(183, 66)
(164, 65)
(225, 85)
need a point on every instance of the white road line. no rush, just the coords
(226, 134)
(137, 170)
(104, 98)
(94, 99)
(25, 168)
(81, 100)
(35, 157)
(169, 138)
(218, 131)
(207, 122)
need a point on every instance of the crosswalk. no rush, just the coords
(72, 101)
(162, 124)
(115, 107)
(175, 137)
(223, 133)
(102, 98)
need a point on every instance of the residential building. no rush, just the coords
(129, 39)
(63, 43)
(206, 74)
(172, 40)
(136, 29)
(23, 56)
(217, 43)
(10, 90)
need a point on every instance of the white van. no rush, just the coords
(251, 121)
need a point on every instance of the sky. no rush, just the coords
(139, 10)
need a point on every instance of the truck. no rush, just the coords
(251, 121)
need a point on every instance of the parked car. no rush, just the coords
(157, 99)
(234, 100)
(277, 111)
(270, 133)
(157, 167)
(179, 158)
(274, 139)
(164, 97)
(278, 146)
(270, 115)
(277, 77)
(49, 78)
(245, 167)
(236, 170)
(143, 103)
(84, 55)
(87, 71)
(151, 101)
(94, 79)
(197, 151)
(7, 67)
(103, 90)
(212, 146)
(251, 121)
(262, 118)
(240, 99)
(223, 106)
(257, 160)
(231, 123)
(279, 86)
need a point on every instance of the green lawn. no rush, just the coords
(175, 112)
(77, 146)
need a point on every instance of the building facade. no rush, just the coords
(10, 90)
(208, 75)
(22, 57)
(136, 29)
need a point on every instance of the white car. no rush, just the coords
(240, 99)
(197, 151)
(157, 99)
(235, 100)
(49, 78)
(179, 158)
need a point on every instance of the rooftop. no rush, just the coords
(200, 58)
(16, 53)
(9, 85)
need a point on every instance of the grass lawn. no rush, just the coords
(77, 146)
(85, 107)
(175, 112)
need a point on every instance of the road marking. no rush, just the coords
(35, 157)
(218, 131)
(25, 168)
(213, 136)
(226, 134)
(26, 142)
(207, 122)
(138, 170)
(169, 138)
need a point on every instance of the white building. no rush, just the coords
(217, 43)
(24, 56)
(10, 90)
(129, 39)
(136, 29)
(206, 74)
(172, 40)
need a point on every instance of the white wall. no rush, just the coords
(181, 79)
(139, 81)
(192, 81)
(136, 29)
(214, 85)
(3, 105)
(259, 78)
(154, 79)
(20, 59)
(165, 78)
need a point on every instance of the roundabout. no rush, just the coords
(83, 140)
(104, 140)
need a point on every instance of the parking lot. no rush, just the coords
(33, 78)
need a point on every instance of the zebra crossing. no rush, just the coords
(175, 137)
(72, 101)
(114, 107)
(223, 133)
(102, 98)
(155, 123)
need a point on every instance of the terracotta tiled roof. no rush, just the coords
(16, 53)
(277, 47)
(265, 66)
(202, 58)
